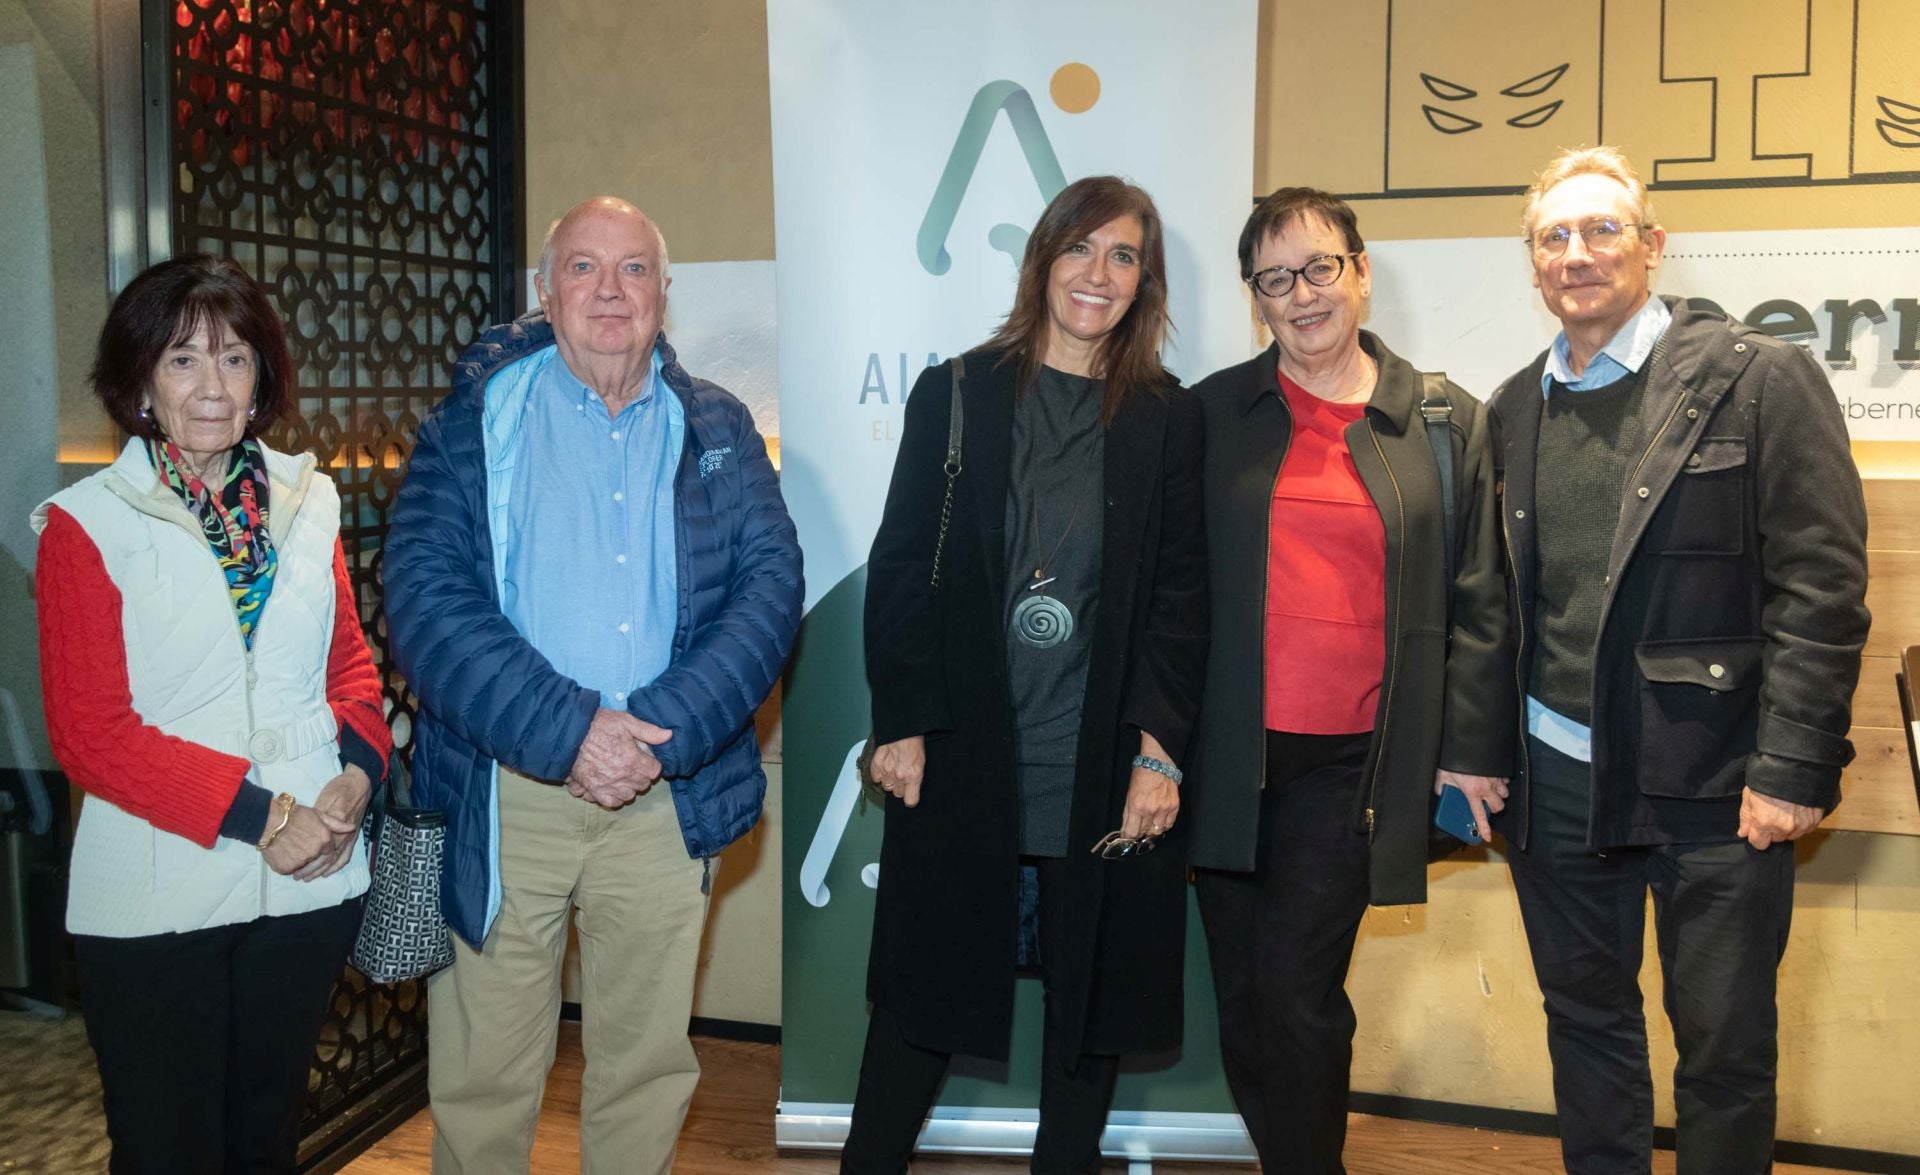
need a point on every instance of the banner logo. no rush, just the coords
(1075, 88)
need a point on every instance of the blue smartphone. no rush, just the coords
(1454, 816)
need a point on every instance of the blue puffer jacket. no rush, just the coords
(488, 697)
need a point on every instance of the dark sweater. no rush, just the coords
(1586, 441)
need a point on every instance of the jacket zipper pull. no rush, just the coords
(1369, 821)
(706, 876)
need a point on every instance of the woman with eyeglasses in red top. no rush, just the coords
(1360, 661)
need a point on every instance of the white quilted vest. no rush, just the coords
(192, 676)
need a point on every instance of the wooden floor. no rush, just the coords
(730, 1130)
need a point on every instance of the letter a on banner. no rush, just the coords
(1010, 239)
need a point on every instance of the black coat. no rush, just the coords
(1446, 697)
(1730, 636)
(945, 913)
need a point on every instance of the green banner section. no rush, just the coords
(827, 910)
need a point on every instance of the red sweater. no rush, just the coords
(1326, 579)
(104, 745)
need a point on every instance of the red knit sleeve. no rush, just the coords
(103, 744)
(353, 684)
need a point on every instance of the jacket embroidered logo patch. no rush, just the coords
(712, 459)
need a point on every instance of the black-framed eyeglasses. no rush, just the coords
(1600, 235)
(1323, 270)
(1116, 845)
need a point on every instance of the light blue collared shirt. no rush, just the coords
(1625, 353)
(591, 575)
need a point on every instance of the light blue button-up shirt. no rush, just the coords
(591, 574)
(1625, 353)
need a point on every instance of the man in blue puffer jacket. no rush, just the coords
(592, 583)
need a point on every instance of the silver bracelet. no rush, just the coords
(1160, 767)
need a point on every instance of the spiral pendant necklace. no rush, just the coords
(1041, 620)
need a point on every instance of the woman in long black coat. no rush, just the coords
(1036, 700)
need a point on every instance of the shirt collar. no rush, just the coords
(561, 381)
(1625, 352)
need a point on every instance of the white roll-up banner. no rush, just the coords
(914, 146)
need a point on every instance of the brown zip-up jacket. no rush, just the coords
(1446, 697)
(1730, 636)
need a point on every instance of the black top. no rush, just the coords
(1054, 508)
(1586, 439)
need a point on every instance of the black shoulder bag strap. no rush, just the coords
(1437, 411)
(952, 466)
(864, 763)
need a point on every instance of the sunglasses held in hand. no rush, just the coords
(1116, 845)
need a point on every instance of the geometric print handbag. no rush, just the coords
(402, 935)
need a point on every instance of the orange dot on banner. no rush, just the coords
(1075, 87)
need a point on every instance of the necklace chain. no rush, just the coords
(1033, 521)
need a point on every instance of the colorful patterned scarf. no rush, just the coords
(234, 521)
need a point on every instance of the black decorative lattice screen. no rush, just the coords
(353, 157)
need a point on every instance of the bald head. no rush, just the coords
(599, 206)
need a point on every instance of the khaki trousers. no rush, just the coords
(495, 1014)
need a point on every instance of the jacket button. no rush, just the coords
(1643, 491)
(1739, 348)
(1693, 414)
(1605, 580)
(1519, 513)
(1694, 460)
(1716, 671)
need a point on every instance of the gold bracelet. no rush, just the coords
(285, 802)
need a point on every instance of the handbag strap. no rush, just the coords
(952, 466)
(397, 791)
(1437, 411)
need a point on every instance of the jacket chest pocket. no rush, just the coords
(1704, 512)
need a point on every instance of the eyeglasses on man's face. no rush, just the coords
(1600, 235)
(1323, 270)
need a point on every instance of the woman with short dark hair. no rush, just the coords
(1361, 664)
(208, 687)
(1034, 646)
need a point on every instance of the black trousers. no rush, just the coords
(1721, 915)
(899, 1080)
(204, 1038)
(1280, 939)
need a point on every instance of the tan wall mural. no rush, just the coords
(1743, 114)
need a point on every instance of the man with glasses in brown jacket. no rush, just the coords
(1687, 542)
